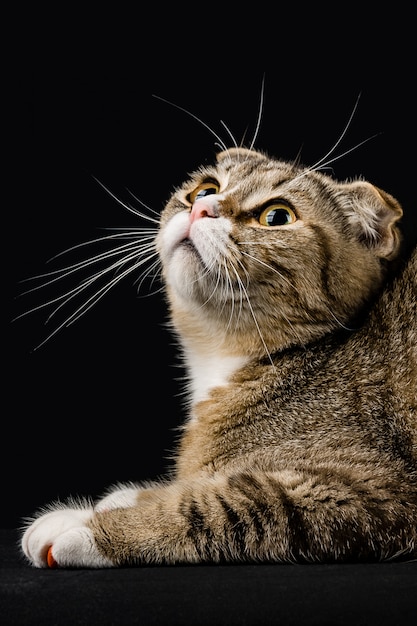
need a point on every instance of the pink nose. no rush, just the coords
(201, 208)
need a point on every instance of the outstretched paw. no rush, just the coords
(61, 539)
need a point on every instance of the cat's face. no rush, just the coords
(260, 253)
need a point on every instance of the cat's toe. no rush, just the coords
(43, 532)
(76, 548)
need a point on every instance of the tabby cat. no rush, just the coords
(300, 343)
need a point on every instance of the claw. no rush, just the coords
(50, 559)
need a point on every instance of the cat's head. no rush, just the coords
(260, 253)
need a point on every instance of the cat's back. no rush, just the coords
(377, 367)
(393, 323)
(388, 344)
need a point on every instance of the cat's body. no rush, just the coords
(301, 439)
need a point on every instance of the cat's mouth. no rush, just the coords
(188, 246)
(187, 243)
(197, 245)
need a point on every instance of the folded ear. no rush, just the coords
(373, 215)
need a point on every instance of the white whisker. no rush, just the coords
(200, 121)
(152, 271)
(229, 132)
(228, 288)
(123, 259)
(66, 271)
(242, 287)
(102, 291)
(145, 206)
(89, 303)
(128, 207)
(85, 284)
(339, 323)
(273, 269)
(258, 122)
(334, 148)
(283, 277)
(325, 161)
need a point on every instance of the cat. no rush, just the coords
(296, 318)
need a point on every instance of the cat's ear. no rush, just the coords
(236, 153)
(373, 214)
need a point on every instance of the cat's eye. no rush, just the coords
(205, 189)
(278, 214)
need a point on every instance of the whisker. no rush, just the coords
(89, 303)
(101, 292)
(258, 122)
(339, 323)
(153, 270)
(200, 121)
(145, 206)
(128, 207)
(70, 269)
(129, 233)
(325, 161)
(242, 286)
(216, 285)
(69, 295)
(282, 276)
(273, 269)
(241, 294)
(113, 267)
(229, 289)
(134, 249)
(229, 132)
(338, 142)
(340, 156)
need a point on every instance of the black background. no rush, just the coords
(100, 402)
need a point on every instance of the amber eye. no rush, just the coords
(278, 214)
(205, 189)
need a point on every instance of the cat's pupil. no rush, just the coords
(204, 189)
(205, 192)
(276, 217)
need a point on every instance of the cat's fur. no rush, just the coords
(301, 439)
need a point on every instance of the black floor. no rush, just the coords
(354, 595)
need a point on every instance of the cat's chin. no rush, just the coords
(183, 272)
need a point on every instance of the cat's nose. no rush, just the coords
(206, 207)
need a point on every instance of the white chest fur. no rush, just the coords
(209, 371)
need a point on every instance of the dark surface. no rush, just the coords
(355, 595)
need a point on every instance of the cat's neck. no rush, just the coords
(206, 371)
(211, 355)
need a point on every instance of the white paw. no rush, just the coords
(77, 548)
(120, 498)
(63, 533)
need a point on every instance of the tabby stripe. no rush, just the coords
(298, 539)
(200, 534)
(237, 528)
